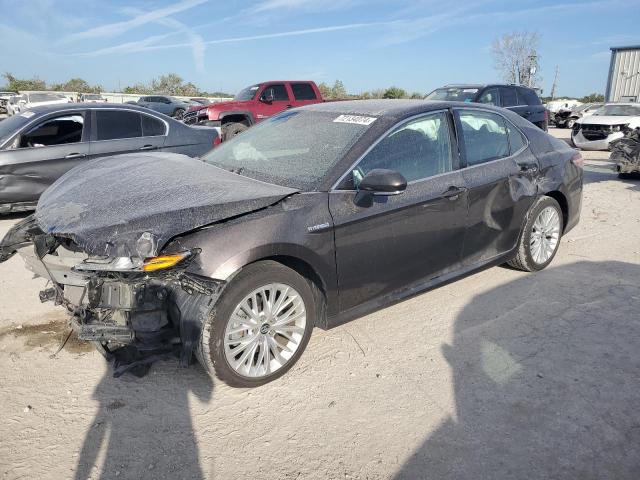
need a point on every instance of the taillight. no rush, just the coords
(217, 141)
(577, 160)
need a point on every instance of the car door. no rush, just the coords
(401, 240)
(121, 131)
(499, 171)
(42, 152)
(274, 99)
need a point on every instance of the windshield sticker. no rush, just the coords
(27, 114)
(470, 90)
(357, 119)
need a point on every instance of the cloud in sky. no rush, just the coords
(118, 28)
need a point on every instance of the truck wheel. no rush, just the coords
(230, 130)
(570, 123)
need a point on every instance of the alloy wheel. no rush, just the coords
(265, 330)
(545, 235)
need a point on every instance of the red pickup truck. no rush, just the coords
(252, 105)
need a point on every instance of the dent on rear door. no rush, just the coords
(500, 194)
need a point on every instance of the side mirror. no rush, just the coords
(381, 182)
(268, 96)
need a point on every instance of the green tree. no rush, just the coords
(76, 85)
(394, 92)
(417, 95)
(338, 91)
(593, 98)
(17, 84)
(325, 90)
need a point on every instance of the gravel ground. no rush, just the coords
(501, 375)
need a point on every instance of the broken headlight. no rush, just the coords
(133, 264)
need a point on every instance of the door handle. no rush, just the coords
(453, 192)
(528, 168)
(76, 155)
(147, 147)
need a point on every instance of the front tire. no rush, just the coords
(230, 130)
(259, 327)
(540, 237)
(178, 114)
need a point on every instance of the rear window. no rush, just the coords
(113, 124)
(303, 91)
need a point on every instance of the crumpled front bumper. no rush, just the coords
(154, 312)
(583, 143)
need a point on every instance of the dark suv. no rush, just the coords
(522, 100)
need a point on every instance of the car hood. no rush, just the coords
(608, 119)
(105, 205)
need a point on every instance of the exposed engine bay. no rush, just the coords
(134, 312)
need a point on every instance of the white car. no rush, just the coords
(605, 125)
(13, 104)
(91, 98)
(30, 100)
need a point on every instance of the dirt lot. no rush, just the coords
(501, 375)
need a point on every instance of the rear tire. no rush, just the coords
(221, 350)
(230, 130)
(538, 246)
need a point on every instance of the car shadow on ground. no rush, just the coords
(546, 381)
(143, 427)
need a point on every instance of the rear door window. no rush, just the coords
(60, 130)
(152, 127)
(508, 97)
(303, 91)
(484, 136)
(114, 124)
(528, 97)
(516, 138)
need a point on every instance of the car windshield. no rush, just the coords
(294, 149)
(618, 111)
(42, 97)
(11, 125)
(247, 94)
(453, 94)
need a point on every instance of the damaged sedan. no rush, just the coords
(314, 217)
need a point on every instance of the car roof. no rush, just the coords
(62, 107)
(391, 108)
(483, 85)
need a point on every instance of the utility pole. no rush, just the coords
(555, 84)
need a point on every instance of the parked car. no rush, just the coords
(39, 145)
(605, 125)
(201, 101)
(522, 100)
(316, 216)
(4, 99)
(567, 118)
(91, 98)
(170, 106)
(254, 104)
(14, 104)
(31, 100)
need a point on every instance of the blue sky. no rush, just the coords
(225, 45)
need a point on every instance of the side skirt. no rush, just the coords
(412, 290)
